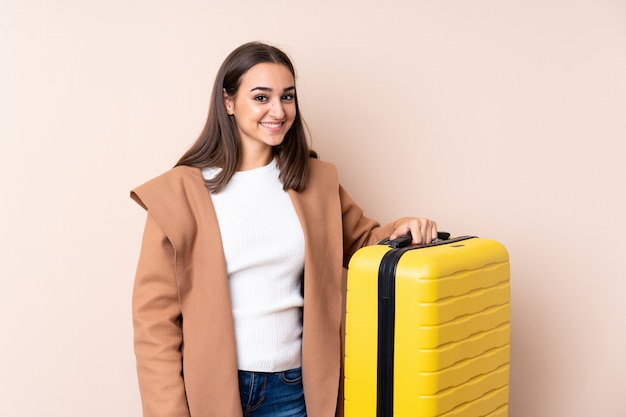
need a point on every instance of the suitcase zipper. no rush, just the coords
(386, 327)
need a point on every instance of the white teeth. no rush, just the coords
(271, 125)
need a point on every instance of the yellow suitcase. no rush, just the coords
(427, 329)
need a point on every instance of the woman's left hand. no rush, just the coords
(423, 230)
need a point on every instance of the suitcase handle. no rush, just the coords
(405, 240)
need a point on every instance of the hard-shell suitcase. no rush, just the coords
(427, 330)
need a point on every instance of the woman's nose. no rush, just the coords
(277, 110)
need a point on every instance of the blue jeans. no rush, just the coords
(278, 394)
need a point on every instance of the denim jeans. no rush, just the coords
(278, 394)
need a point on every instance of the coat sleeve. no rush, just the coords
(358, 230)
(157, 325)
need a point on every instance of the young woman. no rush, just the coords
(237, 297)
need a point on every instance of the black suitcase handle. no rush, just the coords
(405, 240)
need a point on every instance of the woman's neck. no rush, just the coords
(255, 160)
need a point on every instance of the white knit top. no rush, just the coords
(264, 249)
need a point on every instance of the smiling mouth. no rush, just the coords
(271, 125)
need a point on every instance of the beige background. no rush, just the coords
(503, 119)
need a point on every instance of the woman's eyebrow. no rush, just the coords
(270, 90)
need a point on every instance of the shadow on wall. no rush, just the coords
(529, 345)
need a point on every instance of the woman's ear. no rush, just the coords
(228, 102)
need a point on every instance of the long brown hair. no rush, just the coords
(218, 143)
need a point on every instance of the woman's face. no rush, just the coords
(264, 107)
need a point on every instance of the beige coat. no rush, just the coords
(184, 337)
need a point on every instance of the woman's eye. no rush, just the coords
(288, 97)
(261, 98)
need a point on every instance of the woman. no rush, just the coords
(237, 298)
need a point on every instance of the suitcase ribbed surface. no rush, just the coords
(451, 331)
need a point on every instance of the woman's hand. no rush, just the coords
(423, 230)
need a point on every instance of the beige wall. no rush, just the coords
(497, 118)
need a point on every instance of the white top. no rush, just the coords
(264, 249)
